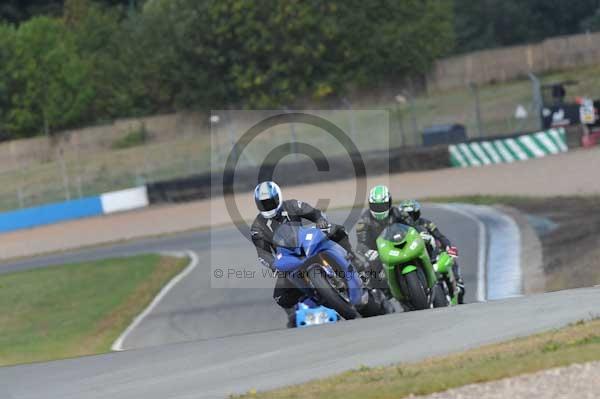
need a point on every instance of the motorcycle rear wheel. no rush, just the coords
(439, 296)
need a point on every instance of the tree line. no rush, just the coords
(71, 63)
(483, 24)
(84, 62)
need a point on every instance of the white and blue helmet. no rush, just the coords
(267, 196)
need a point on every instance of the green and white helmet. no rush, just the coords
(380, 202)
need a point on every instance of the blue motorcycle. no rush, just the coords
(310, 313)
(319, 268)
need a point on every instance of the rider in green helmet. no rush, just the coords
(380, 203)
(376, 218)
(370, 225)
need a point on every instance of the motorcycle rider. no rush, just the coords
(380, 214)
(411, 209)
(274, 211)
(372, 222)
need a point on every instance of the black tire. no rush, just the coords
(417, 293)
(329, 296)
(439, 296)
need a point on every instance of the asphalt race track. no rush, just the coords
(233, 340)
(217, 367)
(192, 310)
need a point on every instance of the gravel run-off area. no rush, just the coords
(578, 381)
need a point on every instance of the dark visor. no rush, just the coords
(267, 204)
(378, 208)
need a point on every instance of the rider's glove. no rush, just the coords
(324, 225)
(452, 251)
(428, 238)
(371, 255)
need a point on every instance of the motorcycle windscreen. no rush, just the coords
(395, 233)
(287, 236)
(288, 243)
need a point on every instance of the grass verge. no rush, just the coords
(513, 200)
(483, 200)
(576, 343)
(76, 309)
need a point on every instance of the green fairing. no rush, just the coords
(407, 250)
(445, 263)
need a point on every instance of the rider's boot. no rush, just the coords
(376, 305)
(387, 306)
(291, 313)
(459, 282)
(461, 291)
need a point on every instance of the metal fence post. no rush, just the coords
(21, 178)
(231, 138)
(413, 117)
(352, 120)
(64, 173)
(78, 179)
(537, 98)
(475, 89)
(399, 119)
(20, 197)
(293, 134)
(214, 146)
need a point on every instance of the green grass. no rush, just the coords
(94, 172)
(133, 139)
(482, 199)
(515, 200)
(77, 309)
(577, 343)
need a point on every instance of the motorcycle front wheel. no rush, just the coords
(417, 293)
(329, 295)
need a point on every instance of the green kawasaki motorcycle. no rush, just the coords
(414, 280)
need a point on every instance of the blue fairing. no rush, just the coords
(309, 313)
(310, 242)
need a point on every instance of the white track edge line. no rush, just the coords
(482, 248)
(117, 346)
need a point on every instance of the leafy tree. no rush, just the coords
(266, 53)
(52, 89)
(592, 22)
(15, 11)
(103, 46)
(7, 48)
(394, 39)
(101, 61)
(492, 23)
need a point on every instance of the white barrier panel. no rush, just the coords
(124, 200)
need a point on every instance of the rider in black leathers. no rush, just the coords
(273, 213)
